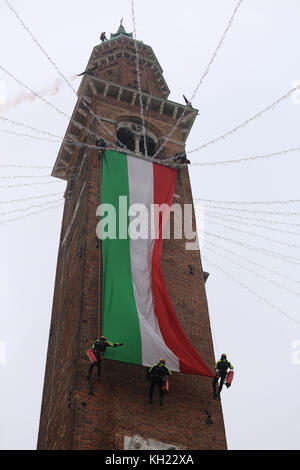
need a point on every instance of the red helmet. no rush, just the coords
(162, 361)
(223, 356)
(103, 338)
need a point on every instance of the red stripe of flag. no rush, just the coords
(189, 360)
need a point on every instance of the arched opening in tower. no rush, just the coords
(134, 140)
(126, 137)
(150, 144)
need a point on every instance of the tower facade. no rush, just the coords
(118, 415)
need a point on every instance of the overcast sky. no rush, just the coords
(258, 63)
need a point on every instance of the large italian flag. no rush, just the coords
(136, 308)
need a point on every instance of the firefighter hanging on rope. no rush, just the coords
(98, 349)
(179, 160)
(221, 368)
(157, 375)
(101, 144)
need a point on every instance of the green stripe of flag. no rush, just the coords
(119, 313)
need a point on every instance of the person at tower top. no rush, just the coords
(187, 102)
(221, 367)
(157, 374)
(103, 37)
(99, 347)
(101, 144)
(180, 159)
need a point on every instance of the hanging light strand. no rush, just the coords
(188, 106)
(55, 108)
(39, 131)
(12, 201)
(37, 167)
(262, 266)
(244, 217)
(265, 203)
(24, 209)
(273, 254)
(291, 291)
(226, 218)
(4, 222)
(84, 102)
(67, 141)
(54, 138)
(29, 184)
(245, 123)
(291, 245)
(26, 176)
(248, 159)
(34, 137)
(138, 74)
(252, 211)
(252, 291)
(38, 44)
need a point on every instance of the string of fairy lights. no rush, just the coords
(246, 287)
(20, 185)
(21, 217)
(258, 115)
(31, 198)
(216, 212)
(84, 102)
(249, 159)
(138, 74)
(272, 240)
(216, 215)
(206, 72)
(253, 211)
(264, 203)
(52, 106)
(242, 218)
(254, 263)
(43, 204)
(271, 253)
(53, 137)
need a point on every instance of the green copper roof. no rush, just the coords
(121, 32)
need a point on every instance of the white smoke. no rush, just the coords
(50, 90)
(2, 93)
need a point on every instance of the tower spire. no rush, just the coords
(121, 32)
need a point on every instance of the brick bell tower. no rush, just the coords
(118, 415)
